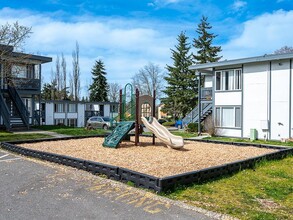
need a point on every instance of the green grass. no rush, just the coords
(290, 144)
(183, 134)
(6, 136)
(266, 193)
(71, 130)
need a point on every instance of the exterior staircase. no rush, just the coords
(193, 117)
(4, 113)
(21, 109)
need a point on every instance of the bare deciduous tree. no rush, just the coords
(284, 49)
(149, 78)
(114, 92)
(76, 72)
(64, 73)
(12, 37)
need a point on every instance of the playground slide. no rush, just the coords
(118, 134)
(163, 134)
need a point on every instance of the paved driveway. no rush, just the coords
(32, 189)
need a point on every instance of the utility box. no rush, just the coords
(253, 134)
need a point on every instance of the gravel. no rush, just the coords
(157, 160)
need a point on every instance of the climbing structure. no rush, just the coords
(130, 113)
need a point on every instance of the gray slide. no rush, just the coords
(163, 133)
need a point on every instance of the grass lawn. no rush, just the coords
(72, 131)
(6, 136)
(290, 144)
(183, 134)
(266, 193)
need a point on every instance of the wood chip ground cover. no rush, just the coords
(157, 160)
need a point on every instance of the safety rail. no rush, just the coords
(193, 115)
(4, 112)
(23, 112)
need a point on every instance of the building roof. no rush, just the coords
(270, 57)
(7, 51)
(41, 59)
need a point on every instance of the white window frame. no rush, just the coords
(70, 109)
(223, 77)
(19, 70)
(74, 122)
(219, 112)
(57, 108)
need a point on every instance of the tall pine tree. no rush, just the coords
(181, 86)
(99, 88)
(206, 53)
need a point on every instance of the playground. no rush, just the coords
(161, 155)
(156, 160)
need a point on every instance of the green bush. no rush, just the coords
(169, 123)
(193, 127)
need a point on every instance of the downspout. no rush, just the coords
(242, 99)
(290, 97)
(269, 100)
(199, 104)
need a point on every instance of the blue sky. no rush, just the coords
(127, 35)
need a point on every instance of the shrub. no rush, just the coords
(169, 123)
(193, 127)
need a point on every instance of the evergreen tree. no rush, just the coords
(99, 88)
(206, 53)
(49, 91)
(181, 86)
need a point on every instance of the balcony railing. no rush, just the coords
(25, 83)
(207, 94)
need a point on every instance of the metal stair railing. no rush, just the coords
(193, 115)
(190, 116)
(22, 110)
(4, 112)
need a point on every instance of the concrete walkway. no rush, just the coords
(32, 189)
(35, 131)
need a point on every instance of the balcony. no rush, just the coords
(27, 84)
(206, 94)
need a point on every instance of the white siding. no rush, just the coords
(59, 115)
(255, 97)
(49, 114)
(280, 93)
(208, 81)
(229, 132)
(80, 119)
(107, 110)
(227, 98)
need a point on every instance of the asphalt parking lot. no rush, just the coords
(32, 189)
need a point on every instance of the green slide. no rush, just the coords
(118, 134)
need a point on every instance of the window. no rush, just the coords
(72, 108)
(19, 71)
(114, 108)
(146, 110)
(72, 122)
(228, 117)
(228, 80)
(59, 121)
(59, 107)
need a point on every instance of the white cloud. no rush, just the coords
(162, 3)
(263, 34)
(124, 45)
(238, 5)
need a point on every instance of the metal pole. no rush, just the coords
(199, 104)
(136, 117)
(154, 112)
(120, 105)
